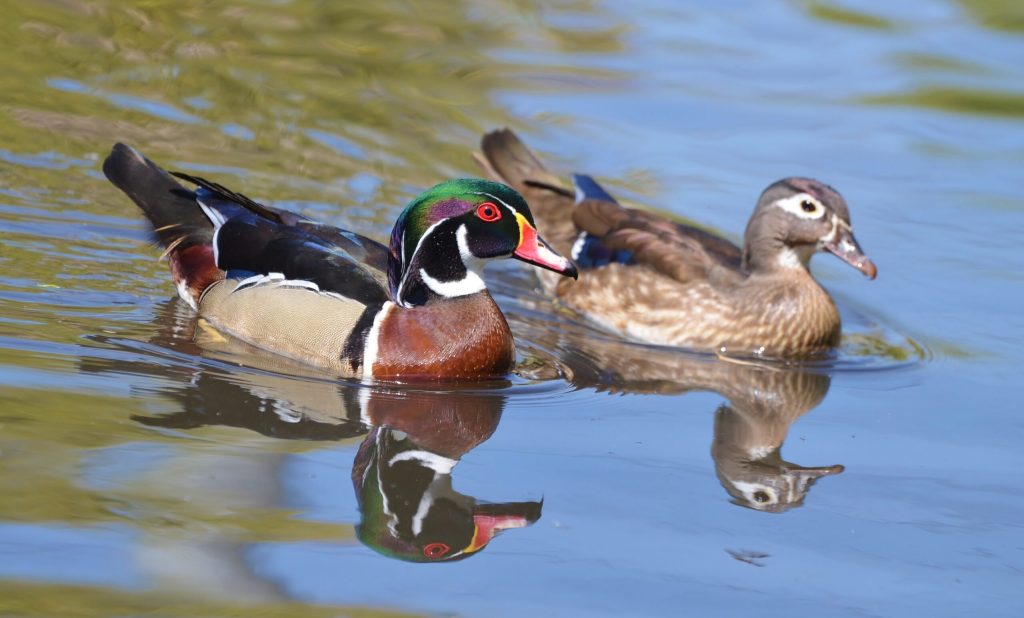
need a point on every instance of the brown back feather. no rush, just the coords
(679, 251)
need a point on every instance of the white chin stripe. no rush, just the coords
(793, 205)
(472, 283)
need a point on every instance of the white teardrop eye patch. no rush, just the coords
(802, 205)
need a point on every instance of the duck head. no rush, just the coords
(794, 219)
(444, 237)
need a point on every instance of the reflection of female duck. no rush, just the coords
(763, 402)
(750, 430)
(402, 471)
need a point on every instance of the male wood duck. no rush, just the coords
(654, 280)
(331, 298)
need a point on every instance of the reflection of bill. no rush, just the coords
(763, 402)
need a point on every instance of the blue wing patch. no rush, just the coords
(589, 251)
(588, 189)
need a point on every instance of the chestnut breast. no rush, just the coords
(459, 338)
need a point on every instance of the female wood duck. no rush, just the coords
(662, 282)
(331, 298)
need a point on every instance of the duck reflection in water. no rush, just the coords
(412, 439)
(403, 480)
(763, 401)
(750, 430)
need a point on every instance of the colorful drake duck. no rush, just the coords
(417, 310)
(662, 282)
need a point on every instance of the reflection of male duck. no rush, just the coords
(402, 471)
(402, 477)
(763, 402)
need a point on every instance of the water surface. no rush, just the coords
(146, 466)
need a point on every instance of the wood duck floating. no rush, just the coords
(417, 310)
(662, 282)
(410, 439)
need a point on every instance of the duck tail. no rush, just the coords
(507, 159)
(179, 225)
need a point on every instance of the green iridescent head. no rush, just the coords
(443, 236)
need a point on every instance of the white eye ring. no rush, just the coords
(794, 205)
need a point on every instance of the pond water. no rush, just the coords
(148, 467)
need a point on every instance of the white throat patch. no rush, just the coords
(472, 283)
(796, 257)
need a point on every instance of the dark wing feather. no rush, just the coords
(181, 228)
(331, 268)
(224, 193)
(262, 240)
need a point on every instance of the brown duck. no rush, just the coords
(654, 280)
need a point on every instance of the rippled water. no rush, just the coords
(146, 466)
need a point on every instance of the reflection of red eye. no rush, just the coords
(435, 550)
(488, 212)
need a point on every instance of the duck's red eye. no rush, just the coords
(488, 212)
(436, 550)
